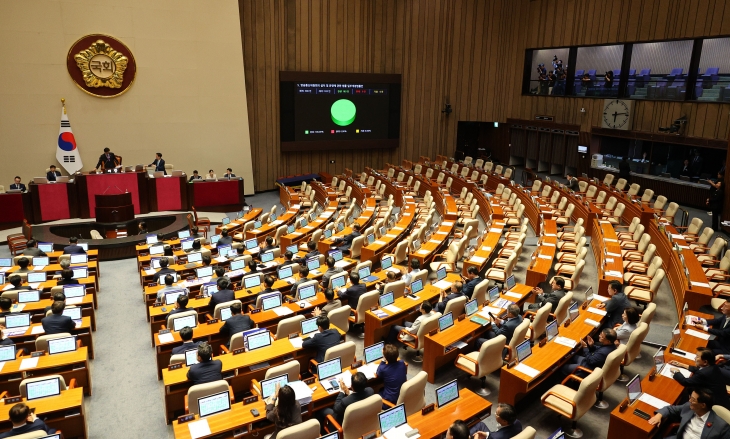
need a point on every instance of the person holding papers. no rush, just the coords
(505, 327)
(696, 418)
(283, 409)
(472, 280)
(705, 375)
(18, 186)
(411, 328)
(720, 328)
(206, 370)
(236, 323)
(360, 391)
(32, 249)
(631, 318)
(616, 305)
(454, 294)
(322, 340)
(57, 323)
(355, 291)
(557, 292)
(25, 421)
(393, 373)
(224, 293)
(332, 304)
(593, 354)
(73, 248)
(186, 335)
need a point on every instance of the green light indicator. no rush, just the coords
(306, 131)
(343, 112)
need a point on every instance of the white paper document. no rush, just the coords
(74, 300)
(378, 242)
(28, 363)
(545, 257)
(368, 369)
(296, 342)
(513, 295)
(600, 312)
(150, 272)
(392, 309)
(442, 284)
(677, 237)
(701, 284)
(592, 322)
(166, 338)
(527, 370)
(447, 223)
(601, 298)
(199, 428)
(459, 344)
(1, 365)
(38, 330)
(341, 264)
(400, 432)
(653, 401)
(477, 259)
(565, 341)
(282, 311)
(486, 248)
(697, 334)
(423, 252)
(494, 230)
(612, 273)
(667, 371)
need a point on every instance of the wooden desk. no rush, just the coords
(434, 346)
(469, 406)
(607, 254)
(71, 365)
(377, 328)
(375, 251)
(544, 255)
(65, 412)
(38, 309)
(514, 385)
(92, 254)
(52, 269)
(694, 290)
(269, 229)
(480, 257)
(236, 225)
(82, 332)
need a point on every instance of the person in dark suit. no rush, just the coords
(331, 271)
(696, 164)
(624, 168)
(267, 245)
(159, 163)
(5, 305)
(454, 293)
(505, 327)
(236, 323)
(593, 354)
(552, 296)
(23, 264)
(615, 306)
(345, 242)
(509, 426)
(225, 238)
(355, 291)
(685, 169)
(322, 340)
(52, 173)
(224, 294)
(288, 259)
(18, 186)
(572, 182)
(696, 418)
(67, 277)
(195, 176)
(142, 228)
(303, 273)
(186, 334)
(716, 199)
(360, 391)
(312, 250)
(705, 375)
(108, 159)
(229, 174)
(73, 248)
(24, 421)
(472, 280)
(31, 249)
(393, 372)
(57, 323)
(164, 270)
(181, 305)
(17, 283)
(206, 370)
(720, 328)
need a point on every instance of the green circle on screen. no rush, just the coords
(343, 112)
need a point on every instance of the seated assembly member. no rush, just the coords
(322, 340)
(206, 370)
(236, 323)
(57, 323)
(25, 421)
(186, 334)
(52, 174)
(18, 186)
(73, 248)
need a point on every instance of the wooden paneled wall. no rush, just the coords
(457, 52)
(557, 23)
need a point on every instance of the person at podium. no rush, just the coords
(52, 173)
(159, 163)
(108, 159)
(195, 176)
(229, 174)
(17, 186)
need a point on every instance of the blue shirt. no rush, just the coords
(393, 376)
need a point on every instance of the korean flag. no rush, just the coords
(67, 153)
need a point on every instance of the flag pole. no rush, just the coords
(63, 102)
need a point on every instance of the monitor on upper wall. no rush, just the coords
(338, 111)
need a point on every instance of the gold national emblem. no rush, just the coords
(101, 65)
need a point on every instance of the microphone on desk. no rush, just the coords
(107, 188)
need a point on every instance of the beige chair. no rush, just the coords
(172, 317)
(203, 390)
(501, 275)
(288, 326)
(611, 372)
(561, 311)
(398, 288)
(96, 235)
(719, 410)
(480, 292)
(222, 306)
(539, 322)
(367, 301)
(527, 433)
(648, 315)
(481, 363)
(41, 343)
(572, 282)
(712, 257)
(573, 404)
(346, 351)
(25, 382)
(359, 418)
(412, 394)
(32, 435)
(306, 430)
(455, 306)
(340, 317)
(178, 358)
(517, 337)
(416, 343)
(290, 368)
(633, 348)
(644, 279)
(645, 295)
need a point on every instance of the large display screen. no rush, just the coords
(334, 111)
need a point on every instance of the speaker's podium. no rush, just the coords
(114, 208)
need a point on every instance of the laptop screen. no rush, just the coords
(271, 301)
(291, 228)
(329, 368)
(251, 243)
(37, 276)
(327, 233)
(416, 286)
(181, 322)
(292, 248)
(73, 312)
(7, 353)
(216, 403)
(79, 258)
(386, 263)
(157, 250)
(337, 255)
(340, 227)
(214, 239)
(573, 312)
(510, 282)
(172, 296)
(17, 320)
(225, 313)
(445, 322)
(374, 352)
(257, 341)
(285, 272)
(74, 291)
(552, 330)
(2, 278)
(364, 272)
(210, 288)
(471, 307)
(237, 265)
(313, 263)
(191, 357)
(338, 281)
(267, 257)
(447, 393)
(371, 238)
(523, 350)
(304, 222)
(204, 271)
(6, 262)
(84, 245)
(307, 291)
(386, 299)
(45, 247)
(186, 244)
(441, 273)
(60, 345)
(29, 296)
(392, 418)
(633, 388)
(268, 387)
(40, 261)
(223, 249)
(195, 257)
(225, 220)
(151, 239)
(493, 294)
(183, 234)
(44, 388)
(80, 272)
(252, 281)
(309, 326)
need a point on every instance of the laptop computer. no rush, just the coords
(573, 312)
(336, 255)
(195, 257)
(191, 357)
(151, 239)
(237, 265)
(225, 221)
(286, 273)
(250, 243)
(392, 418)
(291, 228)
(374, 352)
(340, 227)
(271, 301)
(257, 341)
(61, 345)
(40, 261)
(370, 238)
(524, 350)
(157, 250)
(181, 322)
(633, 389)
(338, 281)
(251, 281)
(74, 291)
(327, 233)
(214, 239)
(447, 393)
(43, 388)
(365, 275)
(328, 369)
(183, 234)
(416, 286)
(36, 277)
(80, 272)
(45, 247)
(204, 272)
(17, 323)
(171, 297)
(29, 296)
(441, 283)
(226, 313)
(257, 224)
(306, 292)
(293, 248)
(552, 330)
(509, 283)
(267, 257)
(6, 262)
(216, 403)
(313, 263)
(446, 321)
(386, 299)
(308, 326)
(471, 307)
(7, 353)
(268, 386)
(80, 258)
